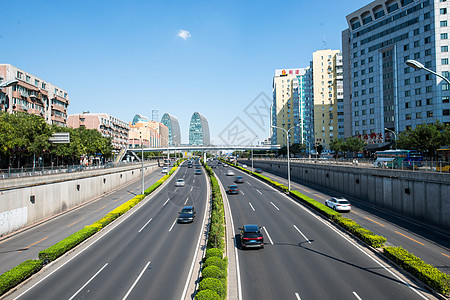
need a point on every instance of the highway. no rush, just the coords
(428, 243)
(305, 257)
(145, 254)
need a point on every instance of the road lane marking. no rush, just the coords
(302, 235)
(410, 238)
(356, 295)
(191, 188)
(81, 288)
(145, 225)
(251, 206)
(249, 183)
(172, 225)
(259, 191)
(298, 296)
(101, 208)
(445, 255)
(186, 200)
(368, 218)
(274, 206)
(26, 248)
(166, 201)
(135, 282)
(75, 222)
(193, 181)
(242, 193)
(267, 233)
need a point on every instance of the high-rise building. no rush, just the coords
(381, 91)
(107, 125)
(174, 129)
(326, 89)
(148, 133)
(199, 130)
(28, 93)
(290, 109)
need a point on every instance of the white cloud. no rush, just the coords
(184, 34)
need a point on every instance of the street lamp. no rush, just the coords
(395, 137)
(8, 83)
(417, 65)
(142, 160)
(288, 164)
(309, 143)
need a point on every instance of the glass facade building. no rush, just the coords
(199, 130)
(174, 129)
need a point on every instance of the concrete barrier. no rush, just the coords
(25, 201)
(422, 196)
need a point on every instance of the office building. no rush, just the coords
(290, 110)
(27, 93)
(199, 130)
(107, 125)
(174, 129)
(149, 134)
(383, 93)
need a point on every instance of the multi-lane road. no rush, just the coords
(145, 255)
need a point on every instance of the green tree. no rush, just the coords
(354, 145)
(337, 145)
(296, 148)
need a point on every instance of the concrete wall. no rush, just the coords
(423, 196)
(25, 201)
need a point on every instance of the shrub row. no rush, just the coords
(18, 274)
(214, 273)
(428, 274)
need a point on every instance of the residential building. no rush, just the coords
(107, 125)
(174, 129)
(381, 91)
(290, 110)
(199, 130)
(33, 95)
(149, 134)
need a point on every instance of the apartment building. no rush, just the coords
(150, 134)
(382, 93)
(107, 125)
(25, 92)
(290, 112)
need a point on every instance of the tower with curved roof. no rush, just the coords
(174, 129)
(199, 130)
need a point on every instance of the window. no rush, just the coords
(355, 94)
(355, 74)
(406, 58)
(407, 104)
(444, 87)
(427, 40)
(418, 103)
(372, 121)
(444, 36)
(427, 27)
(416, 31)
(36, 82)
(363, 102)
(419, 115)
(363, 82)
(356, 123)
(416, 44)
(429, 114)
(19, 75)
(355, 64)
(371, 100)
(363, 112)
(428, 89)
(355, 54)
(446, 112)
(28, 78)
(417, 79)
(427, 76)
(445, 99)
(363, 51)
(417, 55)
(370, 69)
(443, 11)
(372, 111)
(355, 45)
(406, 47)
(370, 79)
(363, 71)
(371, 90)
(364, 122)
(429, 101)
(426, 15)
(407, 81)
(355, 84)
(356, 113)
(445, 74)
(427, 52)
(427, 64)
(356, 103)
(444, 23)
(444, 48)
(444, 61)
(371, 59)
(363, 62)
(408, 116)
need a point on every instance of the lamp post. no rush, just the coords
(417, 65)
(288, 161)
(8, 83)
(142, 160)
(395, 137)
(309, 144)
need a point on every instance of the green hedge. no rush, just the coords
(364, 234)
(213, 284)
(428, 274)
(207, 295)
(213, 272)
(211, 252)
(19, 273)
(216, 261)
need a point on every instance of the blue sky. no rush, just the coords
(126, 57)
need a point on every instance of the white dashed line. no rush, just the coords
(81, 288)
(274, 206)
(298, 296)
(186, 200)
(302, 234)
(259, 192)
(135, 282)
(356, 295)
(145, 225)
(249, 183)
(267, 233)
(172, 225)
(242, 193)
(166, 201)
(191, 188)
(251, 206)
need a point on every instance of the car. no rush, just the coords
(180, 182)
(338, 204)
(213, 166)
(189, 165)
(164, 170)
(244, 166)
(239, 179)
(258, 170)
(198, 167)
(230, 173)
(198, 172)
(232, 189)
(186, 215)
(251, 236)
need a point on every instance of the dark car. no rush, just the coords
(239, 179)
(233, 189)
(251, 236)
(186, 215)
(198, 172)
(258, 170)
(189, 165)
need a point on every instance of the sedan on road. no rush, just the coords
(180, 182)
(239, 179)
(338, 204)
(251, 236)
(230, 173)
(164, 170)
(198, 172)
(233, 189)
(186, 215)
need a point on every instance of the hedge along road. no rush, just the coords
(26, 244)
(428, 243)
(304, 256)
(143, 255)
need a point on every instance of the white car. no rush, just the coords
(244, 166)
(164, 170)
(180, 182)
(230, 173)
(338, 204)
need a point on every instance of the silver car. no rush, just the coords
(180, 182)
(338, 204)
